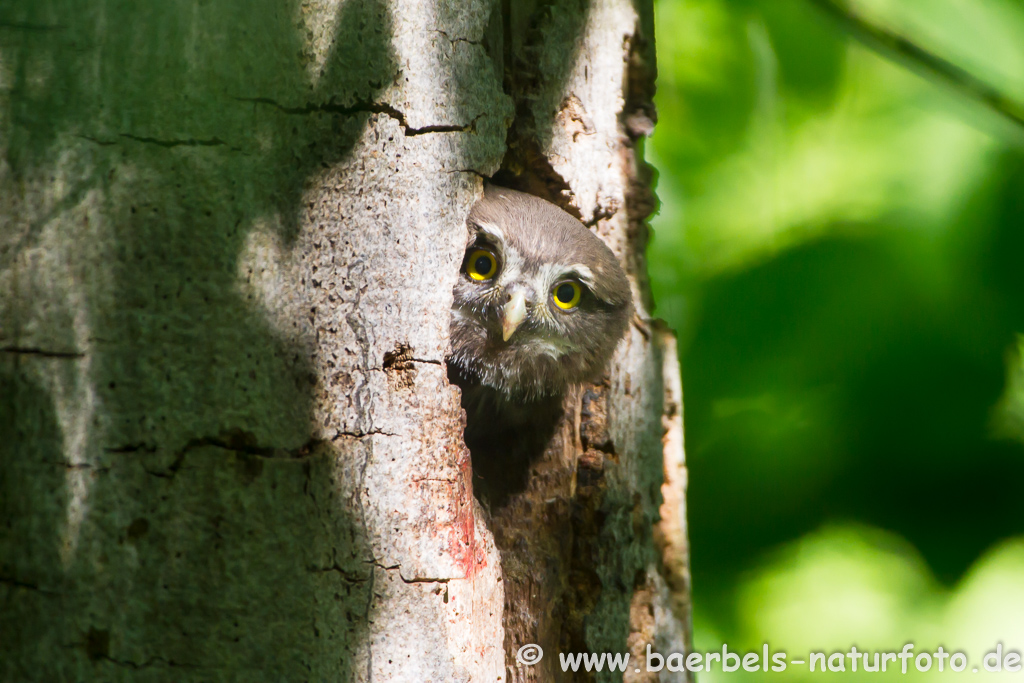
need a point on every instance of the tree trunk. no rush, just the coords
(229, 234)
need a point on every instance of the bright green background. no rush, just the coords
(841, 248)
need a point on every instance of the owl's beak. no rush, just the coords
(512, 314)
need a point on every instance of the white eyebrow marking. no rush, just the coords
(492, 230)
(583, 272)
(541, 282)
(511, 266)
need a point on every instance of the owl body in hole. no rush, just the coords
(540, 305)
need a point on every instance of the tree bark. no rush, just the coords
(229, 234)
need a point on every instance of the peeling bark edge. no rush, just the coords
(670, 532)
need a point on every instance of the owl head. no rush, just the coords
(540, 303)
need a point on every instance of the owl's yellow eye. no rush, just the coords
(481, 265)
(566, 295)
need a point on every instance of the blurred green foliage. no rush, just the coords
(841, 248)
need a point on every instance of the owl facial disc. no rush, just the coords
(540, 303)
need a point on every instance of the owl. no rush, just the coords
(539, 306)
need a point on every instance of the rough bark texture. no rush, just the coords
(228, 237)
(583, 572)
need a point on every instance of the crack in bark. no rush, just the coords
(236, 441)
(366, 108)
(172, 469)
(17, 583)
(131, 448)
(457, 40)
(42, 353)
(348, 576)
(127, 663)
(416, 579)
(190, 142)
(168, 143)
(97, 141)
(470, 170)
(76, 465)
(342, 434)
(379, 565)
